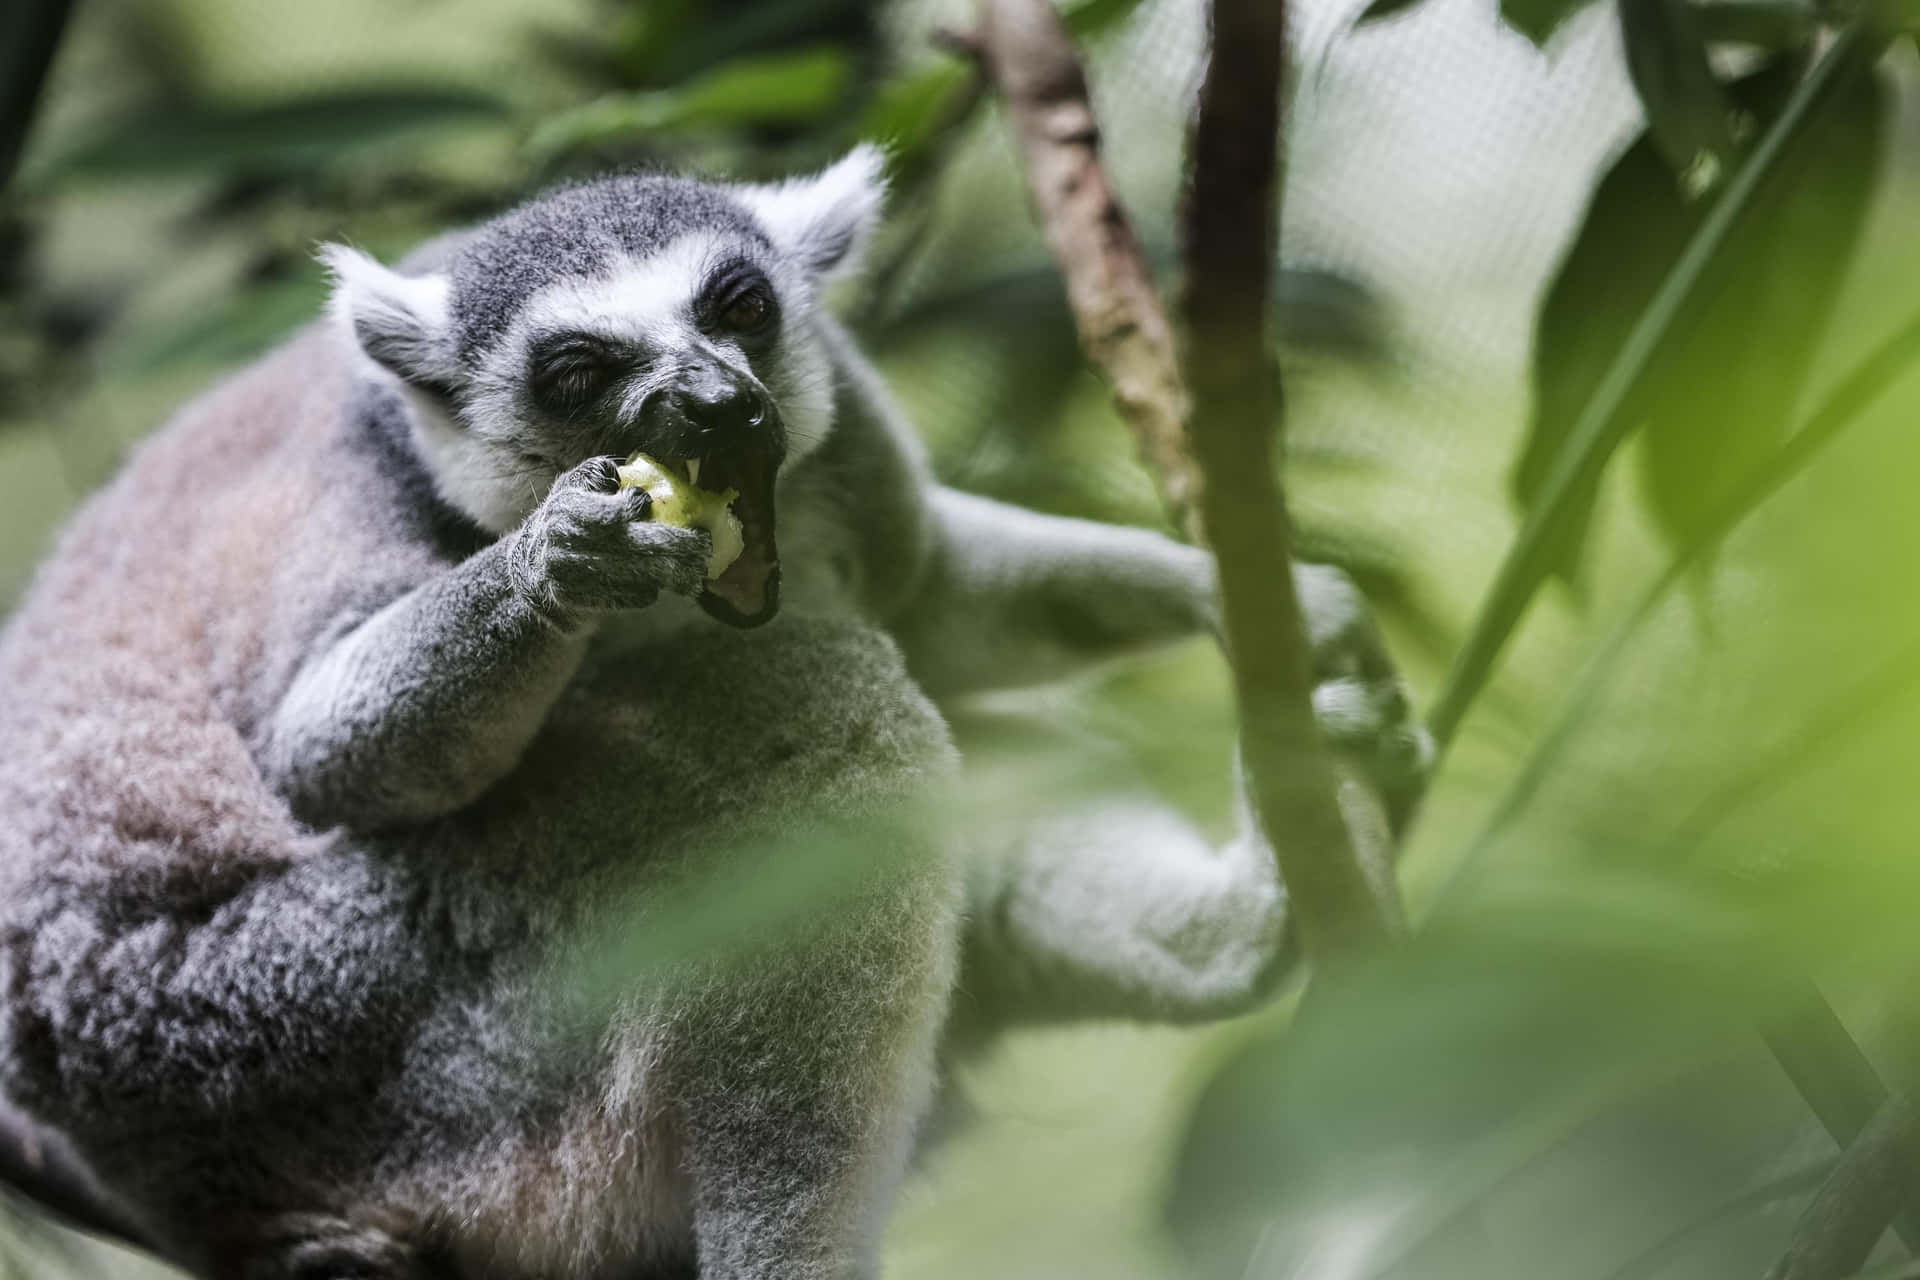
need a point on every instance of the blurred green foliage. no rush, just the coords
(1562, 1074)
(1759, 318)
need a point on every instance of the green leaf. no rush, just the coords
(1908, 1270)
(1658, 1256)
(1717, 395)
(294, 136)
(30, 33)
(1411, 1087)
(907, 112)
(1736, 368)
(789, 88)
(1844, 404)
(1085, 18)
(1774, 25)
(1537, 20)
(1605, 417)
(1687, 114)
(245, 326)
(1635, 229)
(667, 42)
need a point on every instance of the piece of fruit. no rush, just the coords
(677, 500)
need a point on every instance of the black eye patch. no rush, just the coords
(567, 372)
(737, 300)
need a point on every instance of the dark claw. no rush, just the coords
(602, 475)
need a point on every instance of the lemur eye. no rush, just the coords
(737, 299)
(571, 372)
(748, 313)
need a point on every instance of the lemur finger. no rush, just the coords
(598, 518)
(595, 475)
(1351, 711)
(1370, 719)
(636, 505)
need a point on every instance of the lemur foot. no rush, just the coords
(1358, 696)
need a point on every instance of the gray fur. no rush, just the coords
(574, 233)
(319, 795)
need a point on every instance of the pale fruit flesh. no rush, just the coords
(678, 501)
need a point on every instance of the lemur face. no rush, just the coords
(651, 314)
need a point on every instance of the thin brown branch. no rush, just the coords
(1342, 902)
(1031, 59)
(1851, 1210)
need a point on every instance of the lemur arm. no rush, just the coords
(1012, 597)
(415, 710)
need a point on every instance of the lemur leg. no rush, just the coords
(1117, 906)
(1122, 909)
(799, 1128)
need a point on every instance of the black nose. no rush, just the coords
(718, 402)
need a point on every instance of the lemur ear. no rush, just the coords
(402, 323)
(824, 221)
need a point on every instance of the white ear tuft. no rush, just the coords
(824, 221)
(402, 323)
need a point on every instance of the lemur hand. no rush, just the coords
(1358, 696)
(590, 546)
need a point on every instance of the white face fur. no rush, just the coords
(492, 449)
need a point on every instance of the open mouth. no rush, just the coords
(746, 591)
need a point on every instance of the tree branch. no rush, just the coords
(1851, 1210)
(1232, 217)
(1030, 57)
(1229, 497)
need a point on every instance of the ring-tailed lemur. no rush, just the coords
(364, 703)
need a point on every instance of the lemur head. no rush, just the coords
(650, 314)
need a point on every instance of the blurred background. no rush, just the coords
(1668, 816)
